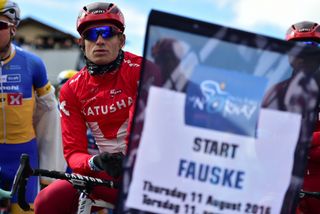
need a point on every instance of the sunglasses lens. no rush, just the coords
(106, 32)
(4, 25)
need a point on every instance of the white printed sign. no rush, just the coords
(193, 170)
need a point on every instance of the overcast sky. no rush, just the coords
(267, 17)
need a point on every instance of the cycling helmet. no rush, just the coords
(304, 31)
(11, 10)
(100, 12)
(63, 76)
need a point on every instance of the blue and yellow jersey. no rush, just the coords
(22, 75)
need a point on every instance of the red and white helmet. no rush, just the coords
(100, 12)
(304, 31)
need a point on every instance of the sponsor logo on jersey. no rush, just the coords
(74, 80)
(106, 109)
(63, 109)
(115, 92)
(11, 78)
(9, 88)
(14, 99)
(131, 64)
(13, 67)
(224, 100)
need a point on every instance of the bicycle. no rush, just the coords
(82, 183)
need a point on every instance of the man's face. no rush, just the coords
(103, 51)
(309, 61)
(5, 35)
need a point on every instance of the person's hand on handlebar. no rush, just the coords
(109, 162)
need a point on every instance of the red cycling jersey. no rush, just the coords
(312, 175)
(101, 102)
(105, 104)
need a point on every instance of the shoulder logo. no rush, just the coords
(63, 108)
(131, 64)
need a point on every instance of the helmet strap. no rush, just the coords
(95, 69)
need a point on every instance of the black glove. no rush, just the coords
(109, 162)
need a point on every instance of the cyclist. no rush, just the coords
(101, 95)
(309, 33)
(167, 54)
(24, 86)
(62, 78)
(286, 95)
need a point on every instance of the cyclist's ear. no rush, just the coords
(13, 31)
(80, 42)
(122, 38)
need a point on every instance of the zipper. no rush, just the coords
(3, 104)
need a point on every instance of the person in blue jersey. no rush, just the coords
(29, 117)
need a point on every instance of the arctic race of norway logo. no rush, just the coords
(223, 100)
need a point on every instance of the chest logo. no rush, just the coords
(14, 99)
(114, 92)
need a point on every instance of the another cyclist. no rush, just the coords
(309, 33)
(100, 95)
(63, 77)
(24, 86)
(167, 54)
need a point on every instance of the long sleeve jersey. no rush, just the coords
(101, 102)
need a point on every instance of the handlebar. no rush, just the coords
(20, 181)
(304, 194)
(78, 181)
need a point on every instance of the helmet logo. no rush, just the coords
(98, 11)
(304, 30)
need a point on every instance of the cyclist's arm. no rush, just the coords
(46, 120)
(74, 131)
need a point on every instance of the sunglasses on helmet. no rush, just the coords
(310, 43)
(5, 25)
(106, 32)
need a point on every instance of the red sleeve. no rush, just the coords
(74, 129)
(314, 152)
